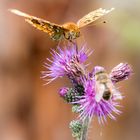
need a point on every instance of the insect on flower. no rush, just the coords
(103, 85)
(68, 31)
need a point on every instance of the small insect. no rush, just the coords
(68, 31)
(103, 86)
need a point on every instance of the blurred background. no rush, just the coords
(31, 111)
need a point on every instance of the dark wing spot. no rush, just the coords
(35, 21)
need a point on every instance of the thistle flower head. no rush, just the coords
(68, 61)
(120, 72)
(89, 106)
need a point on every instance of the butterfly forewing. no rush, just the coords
(92, 16)
(55, 31)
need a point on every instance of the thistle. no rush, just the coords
(68, 62)
(92, 94)
(121, 72)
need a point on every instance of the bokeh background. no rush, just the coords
(31, 111)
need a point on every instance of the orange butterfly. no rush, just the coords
(68, 31)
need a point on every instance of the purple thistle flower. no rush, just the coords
(89, 106)
(68, 61)
(120, 72)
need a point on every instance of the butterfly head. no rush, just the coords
(72, 31)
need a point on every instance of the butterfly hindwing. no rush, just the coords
(92, 16)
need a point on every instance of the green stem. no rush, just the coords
(84, 135)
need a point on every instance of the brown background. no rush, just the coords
(31, 111)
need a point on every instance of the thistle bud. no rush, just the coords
(75, 108)
(120, 72)
(76, 127)
(63, 91)
(69, 94)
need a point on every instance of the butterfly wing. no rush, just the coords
(55, 31)
(92, 16)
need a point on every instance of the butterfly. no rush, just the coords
(68, 31)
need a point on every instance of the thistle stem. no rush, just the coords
(84, 134)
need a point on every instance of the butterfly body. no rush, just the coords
(72, 31)
(68, 31)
